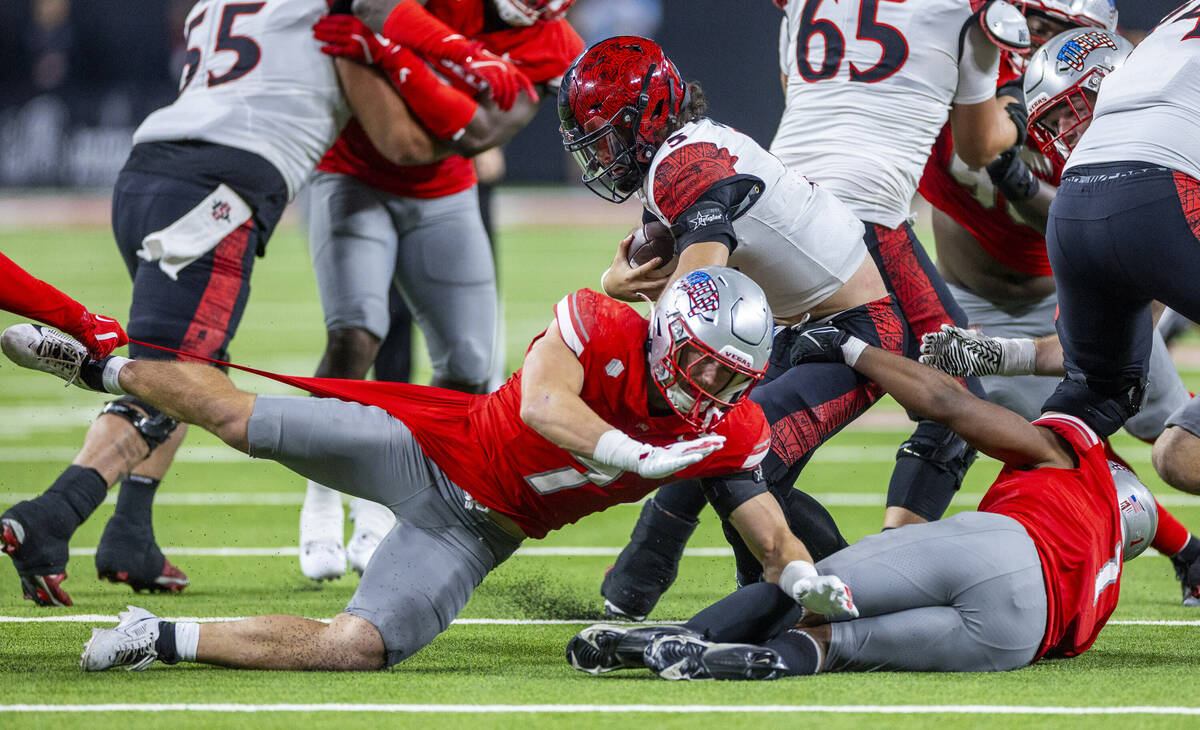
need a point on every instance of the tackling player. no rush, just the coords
(1034, 573)
(470, 476)
(372, 222)
(196, 202)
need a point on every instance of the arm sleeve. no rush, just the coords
(711, 217)
(730, 491)
(978, 66)
(21, 293)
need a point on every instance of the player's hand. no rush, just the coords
(653, 462)
(966, 353)
(1012, 177)
(488, 72)
(826, 595)
(626, 282)
(100, 335)
(345, 36)
(825, 343)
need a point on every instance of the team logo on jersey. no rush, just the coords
(1075, 52)
(221, 210)
(701, 291)
(614, 368)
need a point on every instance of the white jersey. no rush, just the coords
(1149, 108)
(868, 94)
(256, 80)
(792, 237)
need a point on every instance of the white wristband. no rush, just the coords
(795, 571)
(109, 377)
(1017, 355)
(852, 349)
(616, 449)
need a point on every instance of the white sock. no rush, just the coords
(109, 376)
(321, 515)
(187, 638)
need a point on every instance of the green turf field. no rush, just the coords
(507, 649)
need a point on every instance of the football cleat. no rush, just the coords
(603, 648)
(322, 560)
(129, 554)
(39, 557)
(613, 611)
(692, 658)
(372, 522)
(1188, 574)
(41, 348)
(129, 644)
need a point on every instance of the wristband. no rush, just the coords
(1017, 355)
(794, 571)
(616, 449)
(852, 349)
(109, 377)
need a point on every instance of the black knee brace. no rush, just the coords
(930, 467)
(152, 425)
(1104, 413)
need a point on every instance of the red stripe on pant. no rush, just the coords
(915, 293)
(797, 434)
(1189, 200)
(210, 324)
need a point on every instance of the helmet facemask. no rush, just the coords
(678, 374)
(1057, 126)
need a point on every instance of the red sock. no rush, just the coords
(1171, 536)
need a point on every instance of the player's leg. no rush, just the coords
(446, 273)
(1176, 458)
(931, 464)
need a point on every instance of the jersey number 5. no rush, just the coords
(248, 52)
(891, 40)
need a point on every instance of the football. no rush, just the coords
(650, 240)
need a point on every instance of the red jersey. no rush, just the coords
(482, 444)
(543, 51)
(1012, 243)
(1073, 518)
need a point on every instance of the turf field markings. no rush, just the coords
(590, 709)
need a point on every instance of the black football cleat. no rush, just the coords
(692, 658)
(39, 557)
(1188, 574)
(127, 553)
(603, 648)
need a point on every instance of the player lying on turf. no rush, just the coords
(470, 476)
(1035, 572)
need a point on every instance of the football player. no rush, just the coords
(607, 407)
(196, 202)
(1034, 573)
(371, 222)
(1063, 81)
(23, 294)
(635, 128)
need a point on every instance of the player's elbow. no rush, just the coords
(978, 154)
(537, 410)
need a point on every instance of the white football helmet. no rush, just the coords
(523, 13)
(1079, 13)
(1061, 84)
(1139, 511)
(711, 314)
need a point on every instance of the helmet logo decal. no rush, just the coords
(701, 292)
(1075, 52)
(687, 173)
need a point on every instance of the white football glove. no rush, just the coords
(652, 462)
(826, 595)
(966, 353)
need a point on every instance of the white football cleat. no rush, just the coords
(322, 555)
(372, 522)
(41, 348)
(130, 644)
(322, 560)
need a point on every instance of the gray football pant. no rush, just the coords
(435, 249)
(1025, 394)
(442, 544)
(963, 594)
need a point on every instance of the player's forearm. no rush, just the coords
(918, 388)
(1049, 359)
(386, 119)
(492, 127)
(1035, 212)
(762, 526)
(981, 131)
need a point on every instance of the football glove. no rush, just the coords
(969, 353)
(652, 462)
(825, 343)
(826, 595)
(346, 36)
(1012, 177)
(100, 335)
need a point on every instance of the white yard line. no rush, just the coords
(590, 709)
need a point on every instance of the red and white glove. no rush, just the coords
(411, 25)
(826, 595)
(652, 462)
(101, 335)
(443, 110)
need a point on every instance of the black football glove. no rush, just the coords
(1012, 177)
(819, 343)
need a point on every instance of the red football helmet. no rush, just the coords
(616, 103)
(529, 12)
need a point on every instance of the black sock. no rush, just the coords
(136, 499)
(799, 652)
(751, 615)
(1190, 552)
(165, 644)
(72, 498)
(91, 372)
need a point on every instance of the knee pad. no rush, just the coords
(1104, 412)
(930, 467)
(940, 447)
(152, 425)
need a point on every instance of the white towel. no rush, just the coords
(197, 232)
